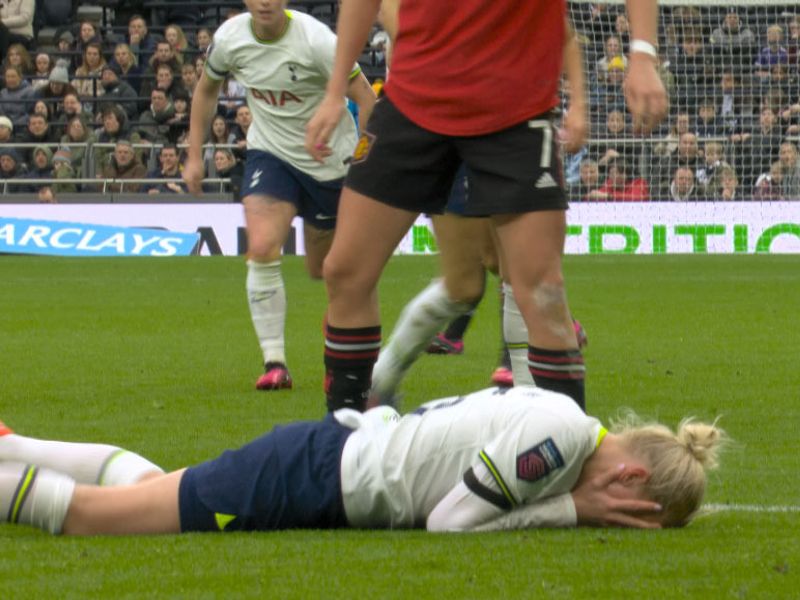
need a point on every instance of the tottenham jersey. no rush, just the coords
(285, 80)
(533, 442)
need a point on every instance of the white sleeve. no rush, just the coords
(556, 511)
(461, 509)
(217, 58)
(324, 48)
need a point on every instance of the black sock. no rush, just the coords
(350, 355)
(458, 326)
(559, 371)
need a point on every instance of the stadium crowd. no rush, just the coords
(111, 100)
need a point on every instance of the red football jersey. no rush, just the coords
(469, 67)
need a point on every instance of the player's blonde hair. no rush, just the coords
(678, 462)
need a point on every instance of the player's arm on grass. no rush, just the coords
(361, 92)
(644, 90)
(204, 107)
(356, 18)
(575, 122)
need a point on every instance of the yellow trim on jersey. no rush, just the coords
(223, 520)
(497, 477)
(280, 35)
(601, 435)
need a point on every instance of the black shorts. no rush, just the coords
(515, 170)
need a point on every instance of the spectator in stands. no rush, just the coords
(58, 86)
(16, 23)
(11, 166)
(169, 169)
(70, 107)
(694, 67)
(199, 65)
(231, 96)
(725, 186)
(732, 36)
(189, 78)
(87, 34)
(117, 91)
(87, 75)
(678, 126)
(41, 166)
(219, 134)
(227, 167)
(708, 123)
(129, 72)
(40, 107)
(772, 54)
(609, 93)
(141, 43)
(243, 119)
(46, 195)
(203, 39)
(682, 187)
(123, 164)
(163, 56)
(177, 40)
(43, 64)
(790, 171)
(612, 49)
(154, 122)
(39, 132)
(16, 97)
(619, 186)
(76, 139)
(615, 141)
(589, 180)
(687, 154)
(755, 151)
(6, 130)
(167, 81)
(115, 127)
(18, 56)
(733, 103)
(707, 175)
(65, 48)
(64, 169)
(793, 39)
(768, 185)
(179, 123)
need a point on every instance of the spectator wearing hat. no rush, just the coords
(16, 23)
(123, 164)
(11, 167)
(6, 130)
(609, 92)
(63, 168)
(58, 86)
(117, 91)
(612, 49)
(16, 97)
(41, 165)
(65, 47)
(76, 140)
(42, 66)
(87, 75)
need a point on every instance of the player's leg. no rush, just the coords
(270, 205)
(399, 171)
(318, 244)
(89, 463)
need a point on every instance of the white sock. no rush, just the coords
(420, 320)
(266, 296)
(97, 464)
(516, 334)
(34, 496)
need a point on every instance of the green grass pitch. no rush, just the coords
(158, 355)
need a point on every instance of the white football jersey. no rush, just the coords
(533, 442)
(285, 80)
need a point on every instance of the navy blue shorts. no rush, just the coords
(286, 479)
(316, 201)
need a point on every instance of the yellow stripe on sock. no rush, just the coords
(22, 492)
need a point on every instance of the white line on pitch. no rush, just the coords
(755, 508)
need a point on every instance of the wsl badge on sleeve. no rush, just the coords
(539, 461)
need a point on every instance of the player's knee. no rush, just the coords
(263, 250)
(466, 290)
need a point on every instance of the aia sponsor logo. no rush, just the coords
(276, 98)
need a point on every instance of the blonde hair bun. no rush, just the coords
(702, 440)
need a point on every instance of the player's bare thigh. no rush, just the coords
(148, 507)
(367, 232)
(268, 221)
(462, 244)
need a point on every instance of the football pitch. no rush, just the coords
(158, 356)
